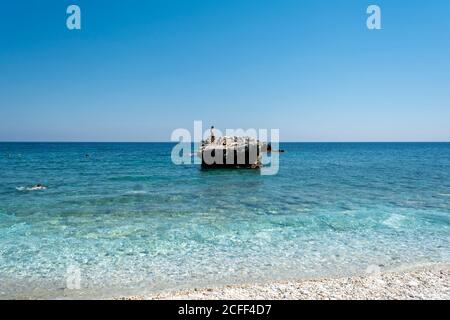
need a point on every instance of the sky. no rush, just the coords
(137, 70)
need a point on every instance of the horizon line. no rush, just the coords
(349, 141)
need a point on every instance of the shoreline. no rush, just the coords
(424, 282)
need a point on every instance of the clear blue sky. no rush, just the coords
(139, 69)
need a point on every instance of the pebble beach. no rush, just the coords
(426, 282)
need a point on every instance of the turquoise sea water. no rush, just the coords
(131, 222)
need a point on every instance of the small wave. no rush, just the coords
(137, 192)
(395, 221)
(444, 194)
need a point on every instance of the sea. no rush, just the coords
(119, 219)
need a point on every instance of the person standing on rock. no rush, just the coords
(212, 134)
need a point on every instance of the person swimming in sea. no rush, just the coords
(33, 188)
(38, 187)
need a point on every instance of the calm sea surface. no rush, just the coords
(127, 220)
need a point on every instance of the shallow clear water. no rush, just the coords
(133, 222)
